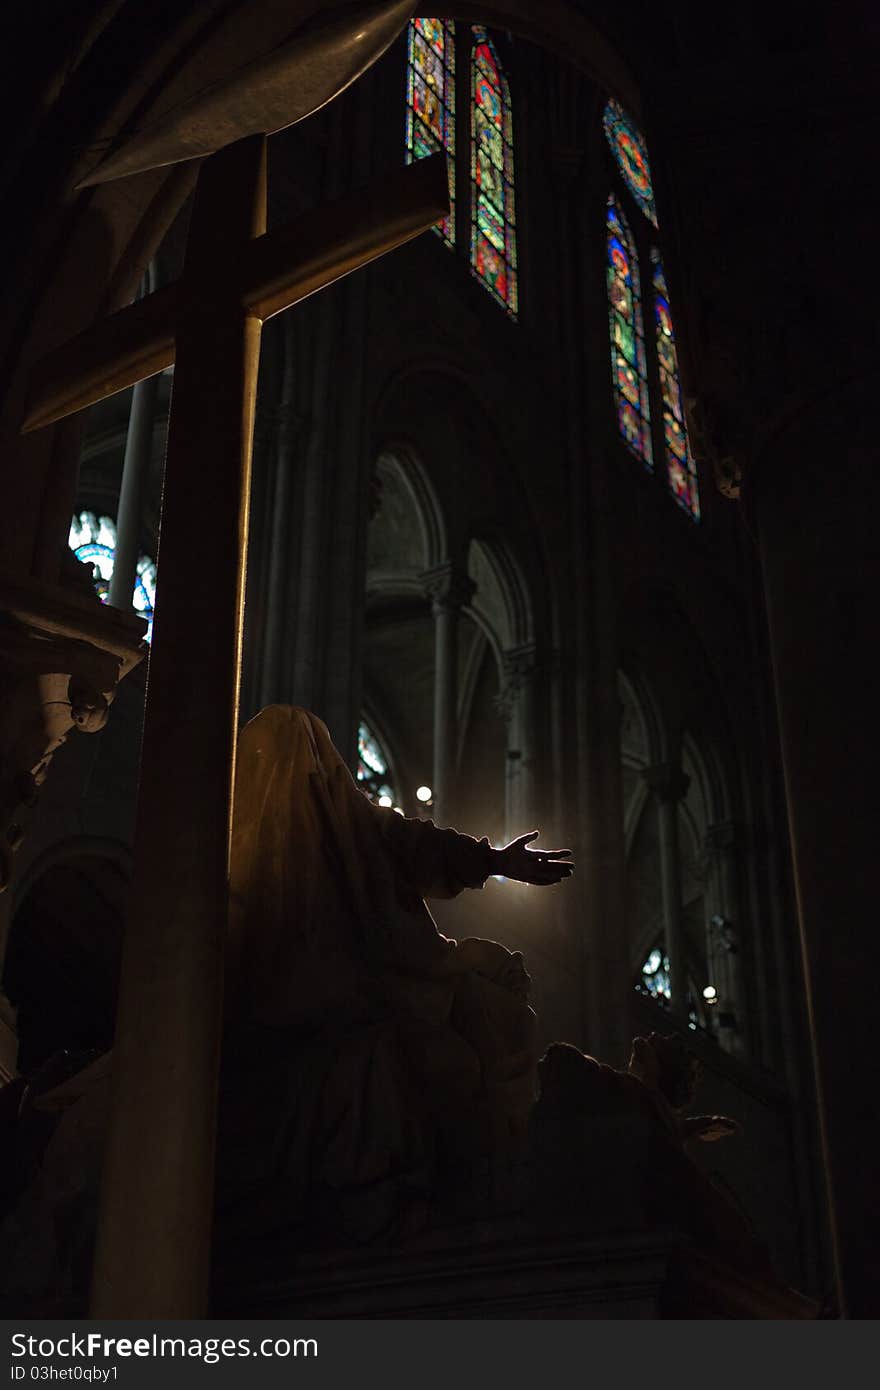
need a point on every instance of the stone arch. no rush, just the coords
(407, 539)
(432, 414)
(671, 677)
(408, 530)
(64, 946)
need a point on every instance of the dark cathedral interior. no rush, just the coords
(560, 520)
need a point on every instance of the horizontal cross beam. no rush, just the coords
(277, 270)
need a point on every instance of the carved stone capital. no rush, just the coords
(448, 587)
(61, 659)
(667, 782)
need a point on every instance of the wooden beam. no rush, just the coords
(277, 271)
(286, 266)
(134, 343)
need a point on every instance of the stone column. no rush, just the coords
(516, 704)
(812, 500)
(669, 785)
(448, 588)
(318, 624)
(724, 936)
(585, 569)
(135, 473)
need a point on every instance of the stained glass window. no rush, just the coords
(628, 369)
(430, 101)
(493, 219)
(93, 541)
(373, 772)
(680, 466)
(655, 975)
(630, 151)
(654, 981)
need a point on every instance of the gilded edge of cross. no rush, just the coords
(277, 270)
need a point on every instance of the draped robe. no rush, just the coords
(366, 1057)
(363, 1048)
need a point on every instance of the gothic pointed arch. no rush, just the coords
(407, 533)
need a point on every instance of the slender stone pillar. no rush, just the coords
(448, 588)
(724, 937)
(586, 572)
(135, 473)
(669, 785)
(516, 704)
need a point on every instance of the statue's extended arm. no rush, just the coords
(440, 863)
(539, 867)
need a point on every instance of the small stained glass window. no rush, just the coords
(628, 367)
(430, 101)
(493, 217)
(93, 541)
(373, 771)
(680, 466)
(654, 981)
(630, 151)
(655, 975)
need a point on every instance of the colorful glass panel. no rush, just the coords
(681, 469)
(430, 101)
(628, 367)
(631, 153)
(93, 541)
(493, 216)
(655, 975)
(373, 774)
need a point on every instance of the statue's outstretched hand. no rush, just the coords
(535, 866)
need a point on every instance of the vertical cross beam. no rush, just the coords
(159, 1161)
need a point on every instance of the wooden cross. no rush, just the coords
(154, 1230)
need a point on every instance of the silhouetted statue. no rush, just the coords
(364, 1050)
(364, 1053)
(610, 1147)
(378, 1077)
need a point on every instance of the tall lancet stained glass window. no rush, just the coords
(680, 467)
(430, 101)
(631, 153)
(493, 218)
(628, 367)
